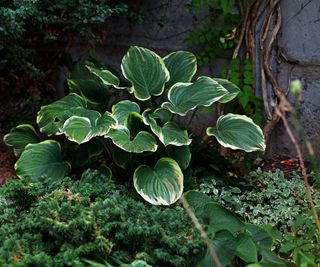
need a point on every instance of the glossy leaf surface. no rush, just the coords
(162, 185)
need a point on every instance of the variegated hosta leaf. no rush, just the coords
(51, 117)
(142, 142)
(181, 154)
(85, 124)
(184, 97)
(106, 76)
(182, 65)
(21, 136)
(169, 133)
(162, 185)
(122, 109)
(146, 72)
(232, 89)
(42, 160)
(94, 83)
(238, 132)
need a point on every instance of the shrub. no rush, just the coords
(60, 223)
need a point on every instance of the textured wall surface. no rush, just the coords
(299, 54)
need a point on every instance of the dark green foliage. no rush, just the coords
(216, 36)
(60, 223)
(240, 73)
(29, 27)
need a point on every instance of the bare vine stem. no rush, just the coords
(202, 232)
(281, 114)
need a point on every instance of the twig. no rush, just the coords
(301, 162)
(202, 232)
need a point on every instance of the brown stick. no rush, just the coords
(301, 162)
(202, 232)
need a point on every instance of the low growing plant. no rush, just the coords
(140, 135)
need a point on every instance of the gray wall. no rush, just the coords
(299, 58)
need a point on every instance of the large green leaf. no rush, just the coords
(180, 154)
(94, 83)
(269, 258)
(51, 117)
(238, 132)
(162, 185)
(169, 134)
(42, 160)
(262, 239)
(222, 219)
(224, 244)
(123, 108)
(21, 136)
(197, 202)
(106, 76)
(85, 124)
(184, 97)
(142, 142)
(146, 72)
(246, 248)
(182, 65)
(232, 89)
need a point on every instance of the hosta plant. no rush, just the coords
(140, 134)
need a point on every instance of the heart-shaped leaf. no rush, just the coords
(42, 160)
(94, 83)
(184, 97)
(146, 72)
(21, 136)
(238, 132)
(222, 219)
(169, 134)
(224, 244)
(142, 142)
(85, 124)
(232, 89)
(182, 65)
(162, 185)
(123, 108)
(51, 117)
(246, 248)
(180, 154)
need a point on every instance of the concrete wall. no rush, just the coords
(299, 58)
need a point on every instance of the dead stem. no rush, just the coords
(202, 232)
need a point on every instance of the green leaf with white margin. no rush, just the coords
(146, 72)
(182, 65)
(162, 185)
(181, 154)
(21, 136)
(238, 132)
(106, 76)
(184, 97)
(169, 134)
(232, 89)
(94, 83)
(123, 108)
(142, 142)
(42, 160)
(85, 124)
(51, 117)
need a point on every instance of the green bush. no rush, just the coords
(60, 223)
(33, 32)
